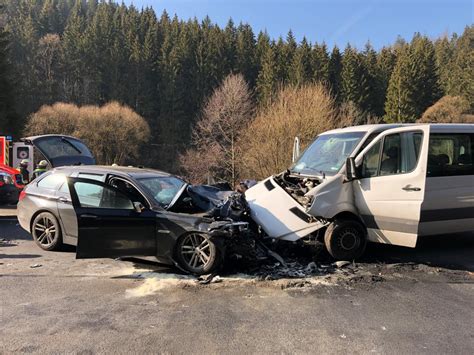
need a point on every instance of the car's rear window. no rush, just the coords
(54, 147)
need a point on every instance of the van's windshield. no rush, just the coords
(327, 153)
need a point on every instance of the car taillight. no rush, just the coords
(22, 195)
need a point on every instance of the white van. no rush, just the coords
(381, 183)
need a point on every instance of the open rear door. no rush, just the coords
(391, 188)
(108, 224)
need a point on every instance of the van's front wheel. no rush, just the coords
(345, 239)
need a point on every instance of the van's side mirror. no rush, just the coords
(138, 207)
(296, 149)
(351, 169)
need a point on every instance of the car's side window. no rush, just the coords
(52, 181)
(64, 188)
(128, 189)
(96, 196)
(98, 177)
(399, 155)
(450, 154)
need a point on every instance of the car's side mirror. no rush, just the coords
(138, 206)
(351, 169)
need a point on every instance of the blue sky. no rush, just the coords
(334, 21)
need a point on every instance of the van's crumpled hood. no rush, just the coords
(279, 214)
(61, 150)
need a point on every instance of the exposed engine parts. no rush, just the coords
(297, 187)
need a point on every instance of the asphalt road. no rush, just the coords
(397, 301)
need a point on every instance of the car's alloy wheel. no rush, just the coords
(46, 232)
(197, 253)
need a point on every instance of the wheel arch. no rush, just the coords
(348, 215)
(34, 215)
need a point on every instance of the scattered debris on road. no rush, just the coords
(34, 266)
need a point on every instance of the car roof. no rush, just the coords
(118, 170)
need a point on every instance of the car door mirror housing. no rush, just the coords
(138, 206)
(351, 169)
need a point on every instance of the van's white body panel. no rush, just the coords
(391, 213)
(449, 195)
(271, 209)
(331, 197)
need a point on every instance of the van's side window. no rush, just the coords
(370, 162)
(391, 155)
(399, 155)
(450, 154)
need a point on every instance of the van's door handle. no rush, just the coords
(410, 188)
(64, 200)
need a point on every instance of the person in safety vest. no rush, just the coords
(40, 168)
(23, 168)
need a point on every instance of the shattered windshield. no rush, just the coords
(327, 153)
(162, 188)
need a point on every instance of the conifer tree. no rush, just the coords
(414, 84)
(9, 123)
(266, 80)
(462, 83)
(335, 70)
(300, 68)
(386, 60)
(321, 64)
(165, 68)
(354, 79)
(245, 53)
(376, 94)
(399, 106)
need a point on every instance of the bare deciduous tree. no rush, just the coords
(49, 51)
(449, 109)
(266, 144)
(114, 132)
(349, 114)
(226, 113)
(60, 118)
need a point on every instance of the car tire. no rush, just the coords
(197, 254)
(46, 231)
(345, 239)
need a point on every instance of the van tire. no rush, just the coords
(345, 239)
